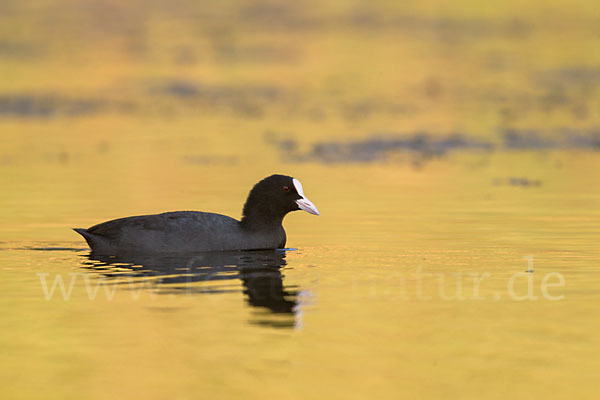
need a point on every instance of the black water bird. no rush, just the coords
(192, 231)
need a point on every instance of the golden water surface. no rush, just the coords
(450, 147)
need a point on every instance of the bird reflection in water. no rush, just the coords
(259, 271)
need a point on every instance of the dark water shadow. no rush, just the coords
(211, 273)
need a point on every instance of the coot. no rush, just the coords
(193, 231)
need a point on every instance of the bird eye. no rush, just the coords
(286, 189)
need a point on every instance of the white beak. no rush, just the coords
(304, 203)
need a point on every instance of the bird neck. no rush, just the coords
(261, 218)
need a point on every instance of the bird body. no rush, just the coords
(193, 231)
(178, 231)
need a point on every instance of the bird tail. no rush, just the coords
(89, 238)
